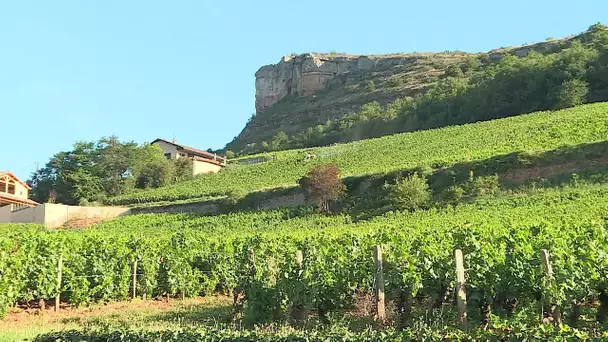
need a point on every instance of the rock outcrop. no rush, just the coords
(321, 87)
(305, 74)
(304, 91)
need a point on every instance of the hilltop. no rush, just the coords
(317, 99)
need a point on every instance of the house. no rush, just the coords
(13, 191)
(202, 161)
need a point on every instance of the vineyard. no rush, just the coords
(253, 255)
(229, 335)
(438, 148)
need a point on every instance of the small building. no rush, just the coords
(13, 191)
(202, 161)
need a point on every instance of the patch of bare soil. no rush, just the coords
(519, 176)
(82, 223)
(23, 315)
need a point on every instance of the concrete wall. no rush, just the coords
(5, 214)
(55, 215)
(199, 167)
(285, 201)
(29, 215)
(199, 208)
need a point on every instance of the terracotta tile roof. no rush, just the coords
(11, 199)
(210, 161)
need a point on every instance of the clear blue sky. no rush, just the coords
(141, 69)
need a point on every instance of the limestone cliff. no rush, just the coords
(306, 90)
(309, 89)
(305, 74)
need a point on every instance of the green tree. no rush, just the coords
(116, 164)
(92, 171)
(410, 193)
(71, 175)
(279, 140)
(156, 174)
(183, 169)
(571, 93)
(230, 154)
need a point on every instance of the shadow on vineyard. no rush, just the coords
(518, 172)
(513, 173)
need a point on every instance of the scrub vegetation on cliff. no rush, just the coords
(550, 75)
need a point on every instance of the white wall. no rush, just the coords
(168, 148)
(5, 214)
(199, 167)
(55, 215)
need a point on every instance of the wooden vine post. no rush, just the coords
(297, 311)
(461, 295)
(299, 259)
(252, 269)
(59, 270)
(272, 270)
(379, 284)
(134, 290)
(548, 268)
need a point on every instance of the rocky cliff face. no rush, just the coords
(305, 74)
(306, 90)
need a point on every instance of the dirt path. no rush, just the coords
(519, 176)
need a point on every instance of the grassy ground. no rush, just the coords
(24, 324)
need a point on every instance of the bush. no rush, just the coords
(483, 186)
(323, 185)
(156, 174)
(371, 86)
(453, 194)
(233, 197)
(410, 193)
(571, 93)
(183, 169)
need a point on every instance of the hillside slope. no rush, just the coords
(319, 99)
(438, 148)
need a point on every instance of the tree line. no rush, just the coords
(95, 170)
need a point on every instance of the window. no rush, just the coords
(168, 155)
(183, 155)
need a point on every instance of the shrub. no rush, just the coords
(183, 169)
(483, 186)
(410, 193)
(394, 81)
(453, 194)
(156, 174)
(571, 93)
(323, 185)
(371, 86)
(235, 196)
